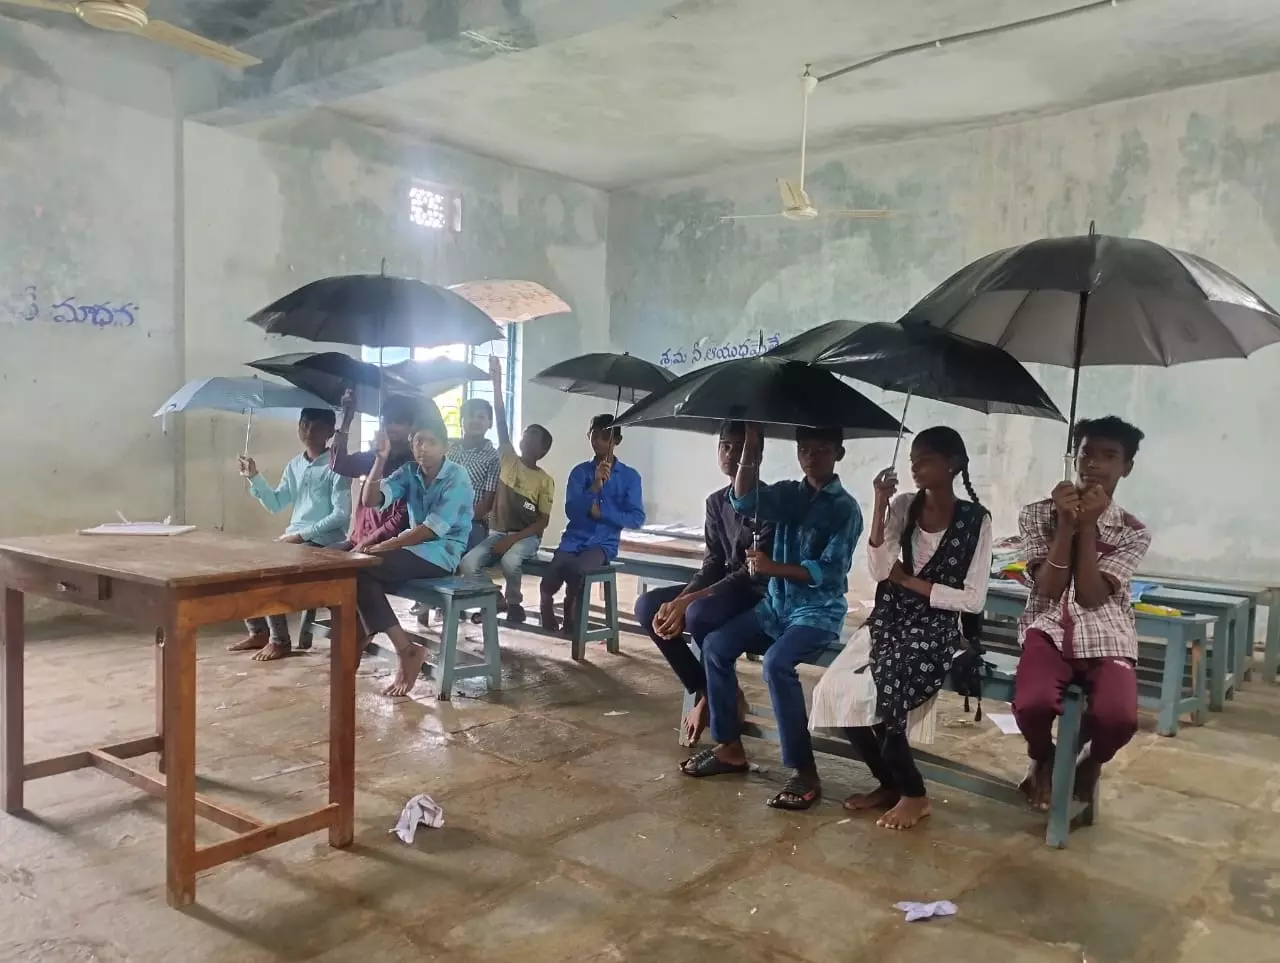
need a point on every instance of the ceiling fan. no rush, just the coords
(796, 205)
(120, 16)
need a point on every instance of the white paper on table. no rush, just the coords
(1005, 722)
(137, 528)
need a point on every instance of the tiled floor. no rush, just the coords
(571, 837)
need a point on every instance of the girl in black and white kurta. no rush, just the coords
(931, 556)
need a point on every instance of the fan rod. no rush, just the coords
(971, 35)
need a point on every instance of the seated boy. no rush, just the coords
(817, 524)
(439, 497)
(521, 509)
(374, 525)
(1081, 550)
(601, 498)
(475, 452)
(321, 501)
(722, 588)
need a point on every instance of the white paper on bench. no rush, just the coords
(137, 528)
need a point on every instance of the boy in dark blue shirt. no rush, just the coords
(601, 498)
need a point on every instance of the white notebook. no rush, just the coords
(138, 528)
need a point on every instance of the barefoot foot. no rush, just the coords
(695, 723)
(881, 798)
(254, 642)
(272, 651)
(411, 662)
(909, 811)
(1038, 785)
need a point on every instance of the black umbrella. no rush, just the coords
(378, 311)
(329, 378)
(780, 394)
(926, 362)
(435, 376)
(615, 377)
(1101, 300)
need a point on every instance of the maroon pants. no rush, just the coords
(1111, 711)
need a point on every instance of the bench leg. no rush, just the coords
(492, 651)
(1220, 664)
(1064, 771)
(1175, 663)
(448, 649)
(611, 615)
(578, 647)
(1243, 641)
(1199, 684)
(1271, 654)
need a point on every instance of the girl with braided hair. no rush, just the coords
(930, 552)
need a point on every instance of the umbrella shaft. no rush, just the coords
(1069, 456)
(248, 429)
(902, 427)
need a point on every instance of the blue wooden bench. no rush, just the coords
(997, 686)
(1168, 682)
(584, 631)
(1229, 646)
(1259, 596)
(455, 595)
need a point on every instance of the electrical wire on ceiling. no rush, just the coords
(972, 35)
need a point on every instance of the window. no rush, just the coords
(450, 402)
(434, 208)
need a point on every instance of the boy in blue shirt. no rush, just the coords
(601, 498)
(816, 526)
(321, 501)
(441, 507)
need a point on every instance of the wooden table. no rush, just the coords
(174, 585)
(647, 543)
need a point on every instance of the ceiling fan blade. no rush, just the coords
(747, 217)
(793, 194)
(865, 215)
(193, 43)
(59, 5)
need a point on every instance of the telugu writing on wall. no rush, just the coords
(30, 307)
(702, 352)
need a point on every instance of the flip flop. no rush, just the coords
(706, 763)
(796, 796)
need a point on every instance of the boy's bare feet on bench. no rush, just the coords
(1038, 785)
(882, 797)
(273, 650)
(254, 642)
(412, 658)
(909, 811)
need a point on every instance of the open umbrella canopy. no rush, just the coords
(436, 375)
(377, 311)
(1101, 300)
(511, 301)
(614, 377)
(780, 394)
(924, 362)
(241, 395)
(351, 371)
(329, 386)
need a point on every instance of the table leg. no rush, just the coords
(1271, 654)
(12, 641)
(159, 660)
(179, 707)
(1219, 663)
(343, 659)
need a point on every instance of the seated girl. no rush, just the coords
(931, 555)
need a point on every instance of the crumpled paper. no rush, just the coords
(421, 810)
(924, 911)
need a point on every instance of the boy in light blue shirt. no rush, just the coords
(321, 501)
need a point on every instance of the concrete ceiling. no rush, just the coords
(619, 92)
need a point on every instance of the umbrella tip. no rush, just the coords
(384, 267)
(1093, 228)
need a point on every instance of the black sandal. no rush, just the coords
(706, 763)
(796, 796)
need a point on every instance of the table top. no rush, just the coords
(669, 546)
(1015, 591)
(197, 558)
(687, 533)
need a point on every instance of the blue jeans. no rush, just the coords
(797, 643)
(512, 562)
(700, 619)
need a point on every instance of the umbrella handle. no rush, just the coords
(902, 427)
